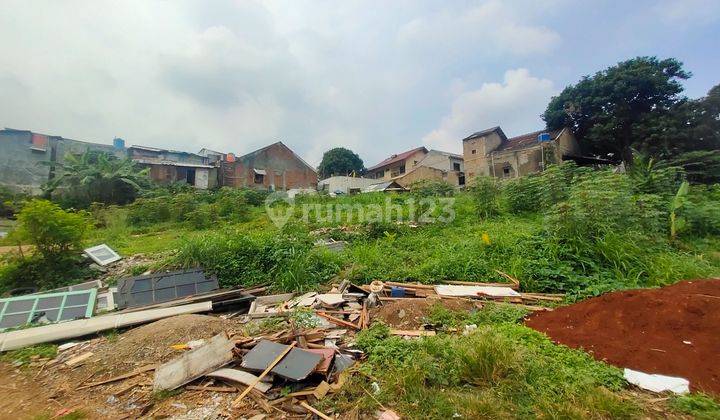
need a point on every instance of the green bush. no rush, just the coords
(53, 231)
(486, 192)
(427, 188)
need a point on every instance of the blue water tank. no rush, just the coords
(543, 137)
(118, 143)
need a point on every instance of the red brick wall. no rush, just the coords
(282, 169)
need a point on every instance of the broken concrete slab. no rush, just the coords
(240, 376)
(194, 364)
(296, 366)
(48, 333)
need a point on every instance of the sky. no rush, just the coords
(377, 77)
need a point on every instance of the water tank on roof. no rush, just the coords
(543, 137)
(118, 143)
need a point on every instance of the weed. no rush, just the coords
(164, 394)
(28, 354)
(700, 406)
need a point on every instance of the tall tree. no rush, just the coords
(629, 105)
(340, 161)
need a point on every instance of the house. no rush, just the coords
(273, 167)
(420, 164)
(26, 158)
(175, 166)
(385, 186)
(491, 153)
(345, 184)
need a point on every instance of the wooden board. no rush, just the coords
(194, 364)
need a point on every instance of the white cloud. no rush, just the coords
(490, 28)
(692, 12)
(515, 105)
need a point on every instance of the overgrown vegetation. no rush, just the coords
(501, 370)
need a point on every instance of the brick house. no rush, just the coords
(491, 153)
(273, 167)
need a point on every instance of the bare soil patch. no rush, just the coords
(410, 314)
(673, 330)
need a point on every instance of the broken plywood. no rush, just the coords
(195, 363)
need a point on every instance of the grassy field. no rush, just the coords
(567, 231)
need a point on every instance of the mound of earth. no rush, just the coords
(409, 314)
(673, 330)
(151, 343)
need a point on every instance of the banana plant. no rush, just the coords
(677, 223)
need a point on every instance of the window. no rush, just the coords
(259, 178)
(402, 169)
(53, 307)
(506, 171)
(473, 151)
(456, 166)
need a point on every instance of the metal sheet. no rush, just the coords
(102, 254)
(296, 366)
(163, 287)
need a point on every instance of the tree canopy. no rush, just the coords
(98, 177)
(634, 104)
(339, 161)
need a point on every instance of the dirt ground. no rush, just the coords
(411, 314)
(674, 330)
(45, 389)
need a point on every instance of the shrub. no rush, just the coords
(428, 188)
(487, 196)
(54, 231)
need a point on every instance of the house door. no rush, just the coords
(190, 176)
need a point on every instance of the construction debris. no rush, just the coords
(215, 353)
(239, 376)
(296, 366)
(657, 383)
(102, 254)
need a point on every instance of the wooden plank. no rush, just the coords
(240, 376)
(211, 388)
(146, 368)
(195, 363)
(337, 321)
(277, 360)
(78, 360)
(512, 279)
(314, 410)
(413, 333)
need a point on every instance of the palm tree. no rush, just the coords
(98, 177)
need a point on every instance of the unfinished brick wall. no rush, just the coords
(283, 170)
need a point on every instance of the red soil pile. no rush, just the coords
(674, 330)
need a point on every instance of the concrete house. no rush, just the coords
(396, 165)
(273, 167)
(420, 164)
(345, 184)
(23, 152)
(168, 166)
(491, 153)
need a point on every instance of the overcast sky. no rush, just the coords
(379, 77)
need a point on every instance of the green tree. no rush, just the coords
(633, 104)
(54, 231)
(98, 177)
(340, 161)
